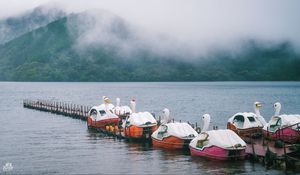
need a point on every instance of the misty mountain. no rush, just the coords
(100, 46)
(14, 27)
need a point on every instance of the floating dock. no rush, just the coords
(286, 156)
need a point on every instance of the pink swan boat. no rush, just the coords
(217, 144)
(284, 127)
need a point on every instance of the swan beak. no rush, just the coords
(258, 105)
(106, 99)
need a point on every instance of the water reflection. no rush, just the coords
(95, 135)
(141, 156)
(219, 167)
(166, 160)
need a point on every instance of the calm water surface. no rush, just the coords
(44, 143)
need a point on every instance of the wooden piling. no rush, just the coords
(61, 108)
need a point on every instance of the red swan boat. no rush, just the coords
(139, 125)
(101, 116)
(173, 135)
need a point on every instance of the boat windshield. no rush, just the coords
(275, 122)
(93, 112)
(239, 121)
(102, 112)
(251, 119)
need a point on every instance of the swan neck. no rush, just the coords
(277, 111)
(260, 118)
(106, 107)
(166, 118)
(257, 112)
(133, 107)
(118, 102)
(205, 125)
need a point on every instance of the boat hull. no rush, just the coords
(289, 135)
(171, 142)
(101, 124)
(247, 132)
(217, 153)
(135, 132)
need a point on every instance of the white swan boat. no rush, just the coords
(173, 135)
(101, 116)
(121, 111)
(139, 125)
(247, 124)
(284, 127)
(217, 144)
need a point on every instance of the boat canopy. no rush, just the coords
(141, 119)
(102, 112)
(244, 120)
(180, 130)
(122, 110)
(225, 138)
(103, 107)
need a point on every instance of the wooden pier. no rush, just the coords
(75, 110)
(270, 154)
(79, 112)
(61, 108)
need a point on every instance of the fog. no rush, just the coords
(180, 27)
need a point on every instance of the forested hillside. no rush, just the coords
(51, 53)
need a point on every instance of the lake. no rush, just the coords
(43, 143)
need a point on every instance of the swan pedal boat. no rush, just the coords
(245, 124)
(101, 116)
(173, 136)
(121, 111)
(217, 144)
(139, 126)
(284, 127)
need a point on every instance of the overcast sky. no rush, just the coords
(208, 21)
